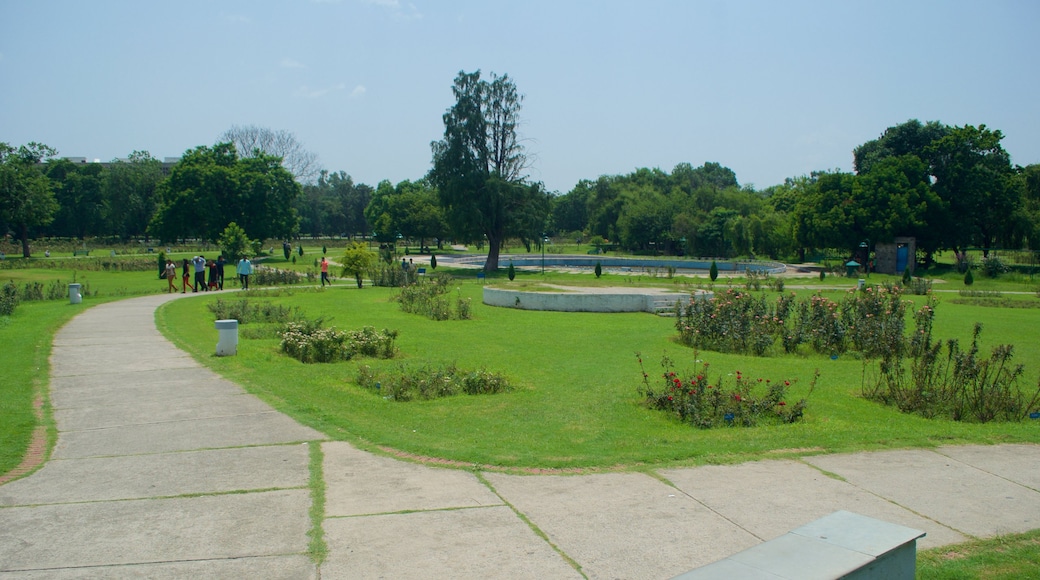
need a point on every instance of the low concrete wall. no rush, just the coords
(583, 302)
(558, 261)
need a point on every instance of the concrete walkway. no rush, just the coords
(164, 470)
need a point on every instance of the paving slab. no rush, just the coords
(148, 531)
(479, 543)
(265, 428)
(771, 498)
(292, 567)
(84, 362)
(136, 411)
(953, 493)
(1017, 463)
(70, 392)
(362, 483)
(623, 525)
(161, 475)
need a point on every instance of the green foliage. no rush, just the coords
(694, 400)
(310, 342)
(299, 250)
(598, 269)
(26, 194)
(263, 276)
(478, 166)
(426, 382)
(211, 187)
(511, 272)
(234, 243)
(713, 271)
(907, 277)
(433, 261)
(953, 383)
(992, 266)
(429, 297)
(969, 279)
(8, 298)
(246, 312)
(823, 275)
(869, 321)
(357, 260)
(162, 264)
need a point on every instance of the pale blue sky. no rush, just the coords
(770, 89)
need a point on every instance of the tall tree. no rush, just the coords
(251, 140)
(26, 194)
(212, 187)
(909, 138)
(130, 192)
(973, 177)
(478, 168)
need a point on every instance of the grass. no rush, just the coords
(577, 405)
(1009, 557)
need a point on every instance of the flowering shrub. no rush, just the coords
(870, 321)
(733, 321)
(309, 342)
(695, 400)
(958, 385)
(430, 383)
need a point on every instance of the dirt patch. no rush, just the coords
(37, 451)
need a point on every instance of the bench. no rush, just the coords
(80, 252)
(840, 545)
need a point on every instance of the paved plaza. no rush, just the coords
(162, 469)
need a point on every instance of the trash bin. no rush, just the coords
(227, 339)
(74, 293)
(861, 284)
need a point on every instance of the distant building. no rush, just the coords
(167, 162)
(897, 256)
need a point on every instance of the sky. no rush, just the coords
(769, 89)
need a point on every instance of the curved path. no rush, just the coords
(164, 470)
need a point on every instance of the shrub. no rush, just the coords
(433, 261)
(423, 383)
(869, 321)
(428, 297)
(968, 278)
(957, 385)
(310, 342)
(264, 276)
(598, 269)
(823, 275)
(511, 272)
(693, 399)
(8, 299)
(993, 266)
(245, 312)
(389, 275)
(713, 271)
(907, 277)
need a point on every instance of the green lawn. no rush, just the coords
(577, 404)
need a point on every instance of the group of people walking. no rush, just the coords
(200, 266)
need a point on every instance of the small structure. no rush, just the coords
(842, 545)
(897, 256)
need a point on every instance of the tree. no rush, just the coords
(130, 189)
(212, 187)
(357, 260)
(253, 141)
(26, 194)
(478, 168)
(909, 138)
(78, 190)
(974, 179)
(234, 243)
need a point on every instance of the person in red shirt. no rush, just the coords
(325, 272)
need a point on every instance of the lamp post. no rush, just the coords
(864, 246)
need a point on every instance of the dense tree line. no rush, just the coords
(950, 187)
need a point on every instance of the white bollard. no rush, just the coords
(227, 341)
(861, 284)
(74, 294)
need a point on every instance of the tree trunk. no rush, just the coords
(494, 243)
(24, 237)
